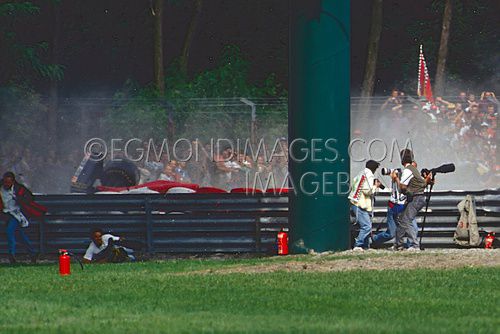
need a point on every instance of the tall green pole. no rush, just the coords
(319, 124)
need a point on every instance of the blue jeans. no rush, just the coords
(14, 226)
(364, 220)
(390, 233)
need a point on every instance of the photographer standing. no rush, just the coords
(413, 185)
(395, 206)
(363, 187)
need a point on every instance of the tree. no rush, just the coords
(159, 72)
(22, 61)
(139, 111)
(373, 45)
(443, 49)
(54, 89)
(184, 59)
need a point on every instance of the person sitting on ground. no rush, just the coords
(106, 248)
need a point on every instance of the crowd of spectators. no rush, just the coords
(40, 170)
(462, 128)
(45, 172)
(225, 169)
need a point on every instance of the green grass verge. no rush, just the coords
(162, 297)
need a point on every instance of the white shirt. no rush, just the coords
(9, 200)
(11, 207)
(406, 176)
(93, 249)
(396, 196)
(362, 190)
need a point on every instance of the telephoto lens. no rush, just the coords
(388, 171)
(385, 171)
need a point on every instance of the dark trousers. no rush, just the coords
(404, 226)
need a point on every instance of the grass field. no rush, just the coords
(195, 296)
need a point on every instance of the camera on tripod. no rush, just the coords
(443, 169)
(388, 171)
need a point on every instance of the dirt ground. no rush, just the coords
(373, 260)
(338, 261)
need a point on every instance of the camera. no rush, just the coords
(381, 186)
(443, 169)
(388, 171)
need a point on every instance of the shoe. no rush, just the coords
(358, 249)
(34, 258)
(12, 259)
(395, 248)
(413, 249)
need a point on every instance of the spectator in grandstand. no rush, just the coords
(393, 103)
(487, 99)
(224, 167)
(279, 167)
(471, 100)
(168, 174)
(262, 167)
(490, 111)
(462, 100)
(181, 170)
(201, 166)
(152, 169)
(107, 248)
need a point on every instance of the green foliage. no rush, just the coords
(185, 296)
(31, 56)
(136, 112)
(21, 115)
(18, 8)
(142, 113)
(473, 33)
(228, 79)
(28, 58)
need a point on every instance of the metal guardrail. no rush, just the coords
(443, 215)
(180, 223)
(212, 223)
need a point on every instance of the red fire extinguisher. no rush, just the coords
(488, 241)
(283, 242)
(64, 262)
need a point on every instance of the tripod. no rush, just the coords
(427, 200)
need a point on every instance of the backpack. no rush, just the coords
(467, 232)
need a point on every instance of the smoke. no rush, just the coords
(381, 134)
(376, 134)
(47, 166)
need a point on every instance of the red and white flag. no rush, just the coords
(424, 81)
